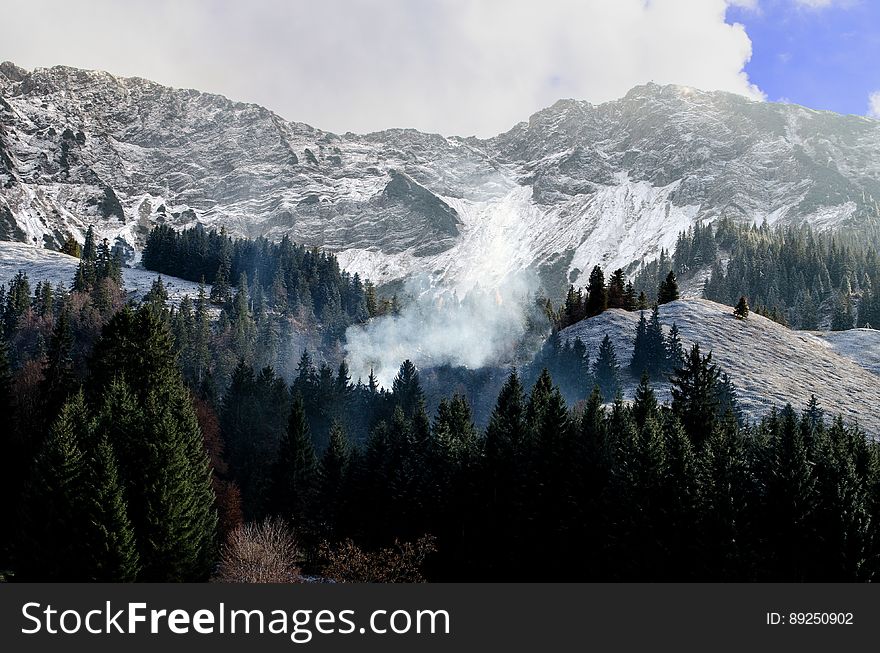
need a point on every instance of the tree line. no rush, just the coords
(794, 275)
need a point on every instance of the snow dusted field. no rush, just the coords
(861, 345)
(43, 264)
(770, 365)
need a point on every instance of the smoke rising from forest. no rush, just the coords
(438, 325)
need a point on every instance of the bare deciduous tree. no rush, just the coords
(264, 552)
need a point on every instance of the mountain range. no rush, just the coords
(573, 186)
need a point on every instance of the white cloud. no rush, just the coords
(452, 66)
(874, 105)
(822, 4)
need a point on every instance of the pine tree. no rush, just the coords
(221, 291)
(606, 370)
(645, 404)
(157, 297)
(112, 551)
(674, 350)
(331, 479)
(549, 474)
(668, 290)
(71, 247)
(695, 395)
(790, 498)
(504, 465)
(406, 389)
(244, 330)
(617, 290)
(89, 251)
(655, 344)
(597, 295)
(59, 380)
(294, 471)
(161, 453)
(52, 546)
(742, 308)
(630, 302)
(640, 356)
(15, 459)
(201, 353)
(842, 315)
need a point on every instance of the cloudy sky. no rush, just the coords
(459, 66)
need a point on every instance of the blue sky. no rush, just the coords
(824, 55)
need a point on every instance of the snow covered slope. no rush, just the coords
(770, 364)
(860, 345)
(575, 185)
(43, 265)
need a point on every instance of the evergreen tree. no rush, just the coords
(668, 290)
(293, 475)
(201, 353)
(742, 308)
(89, 250)
(655, 344)
(640, 357)
(630, 302)
(597, 295)
(503, 468)
(111, 547)
(221, 291)
(606, 370)
(842, 315)
(52, 546)
(645, 404)
(157, 297)
(331, 479)
(674, 350)
(161, 453)
(59, 380)
(617, 290)
(695, 395)
(406, 389)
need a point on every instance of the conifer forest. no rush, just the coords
(159, 440)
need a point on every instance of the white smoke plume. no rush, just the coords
(468, 326)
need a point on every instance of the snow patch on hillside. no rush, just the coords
(770, 364)
(45, 265)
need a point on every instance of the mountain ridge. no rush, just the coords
(575, 185)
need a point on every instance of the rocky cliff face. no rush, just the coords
(576, 185)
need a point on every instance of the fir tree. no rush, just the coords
(606, 370)
(674, 349)
(597, 295)
(52, 546)
(630, 302)
(655, 344)
(742, 308)
(645, 404)
(293, 474)
(617, 290)
(59, 380)
(161, 454)
(221, 291)
(695, 395)
(640, 356)
(668, 290)
(331, 478)
(111, 547)
(406, 389)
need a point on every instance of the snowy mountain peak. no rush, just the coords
(575, 185)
